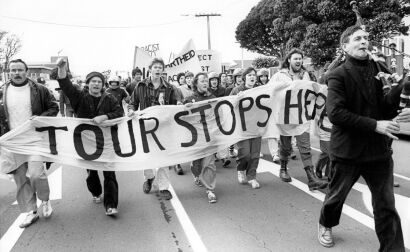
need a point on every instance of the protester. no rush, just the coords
(229, 80)
(21, 100)
(137, 78)
(118, 92)
(237, 81)
(98, 106)
(186, 89)
(218, 91)
(66, 110)
(224, 80)
(155, 91)
(361, 116)
(214, 84)
(292, 69)
(249, 149)
(263, 76)
(181, 79)
(203, 169)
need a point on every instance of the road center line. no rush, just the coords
(189, 229)
(395, 174)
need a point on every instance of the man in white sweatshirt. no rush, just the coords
(22, 99)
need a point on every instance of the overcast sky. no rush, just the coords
(153, 21)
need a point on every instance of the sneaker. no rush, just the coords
(293, 155)
(225, 162)
(165, 194)
(179, 170)
(242, 177)
(198, 182)
(47, 209)
(97, 199)
(254, 184)
(396, 184)
(211, 196)
(111, 211)
(233, 153)
(30, 219)
(325, 236)
(146, 187)
(276, 159)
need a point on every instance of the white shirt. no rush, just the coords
(18, 105)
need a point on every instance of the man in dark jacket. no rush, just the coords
(155, 91)
(98, 106)
(359, 146)
(137, 78)
(22, 99)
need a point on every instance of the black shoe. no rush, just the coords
(178, 170)
(146, 187)
(226, 162)
(283, 173)
(313, 182)
(165, 194)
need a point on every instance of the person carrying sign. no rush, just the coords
(203, 169)
(292, 69)
(249, 149)
(22, 99)
(360, 141)
(98, 106)
(155, 91)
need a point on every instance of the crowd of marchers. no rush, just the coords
(360, 112)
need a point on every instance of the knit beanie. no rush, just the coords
(94, 74)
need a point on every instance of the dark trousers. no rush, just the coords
(248, 156)
(379, 178)
(110, 187)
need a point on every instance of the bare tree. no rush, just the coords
(10, 47)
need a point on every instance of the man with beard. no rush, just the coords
(155, 91)
(22, 99)
(292, 69)
(361, 115)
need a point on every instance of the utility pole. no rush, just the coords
(209, 29)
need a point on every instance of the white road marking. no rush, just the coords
(189, 229)
(9, 239)
(402, 207)
(266, 166)
(395, 174)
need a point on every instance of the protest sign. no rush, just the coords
(186, 60)
(209, 60)
(142, 60)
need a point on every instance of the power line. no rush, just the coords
(92, 26)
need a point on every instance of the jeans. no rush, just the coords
(205, 169)
(248, 156)
(161, 176)
(28, 189)
(379, 178)
(110, 187)
(303, 144)
(324, 159)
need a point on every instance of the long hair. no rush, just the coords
(285, 62)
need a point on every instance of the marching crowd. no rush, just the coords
(359, 112)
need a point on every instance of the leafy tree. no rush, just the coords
(265, 62)
(272, 27)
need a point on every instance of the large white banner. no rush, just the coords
(186, 60)
(210, 60)
(164, 135)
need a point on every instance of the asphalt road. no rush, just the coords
(277, 217)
